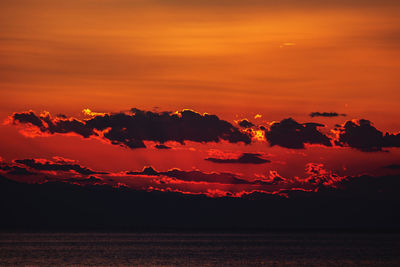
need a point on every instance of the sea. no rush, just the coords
(199, 249)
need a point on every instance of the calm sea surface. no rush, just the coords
(290, 249)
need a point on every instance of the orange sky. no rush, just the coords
(257, 56)
(233, 58)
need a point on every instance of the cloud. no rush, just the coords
(245, 158)
(46, 124)
(42, 170)
(15, 170)
(320, 181)
(88, 112)
(45, 165)
(245, 123)
(194, 176)
(362, 135)
(131, 129)
(59, 170)
(326, 114)
(291, 134)
(318, 175)
(89, 180)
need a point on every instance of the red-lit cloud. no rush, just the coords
(291, 134)
(174, 180)
(131, 129)
(362, 135)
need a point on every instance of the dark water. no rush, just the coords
(290, 249)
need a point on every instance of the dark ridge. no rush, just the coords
(366, 204)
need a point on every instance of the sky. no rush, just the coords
(120, 86)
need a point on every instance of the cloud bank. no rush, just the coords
(245, 158)
(362, 135)
(131, 129)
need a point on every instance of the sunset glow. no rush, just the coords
(219, 97)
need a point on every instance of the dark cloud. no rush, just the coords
(38, 167)
(15, 170)
(198, 176)
(131, 129)
(325, 114)
(51, 166)
(291, 134)
(89, 180)
(146, 171)
(28, 117)
(162, 127)
(48, 125)
(195, 176)
(245, 123)
(245, 158)
(391, 140)
(362, 135)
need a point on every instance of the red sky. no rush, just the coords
(234, 59)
